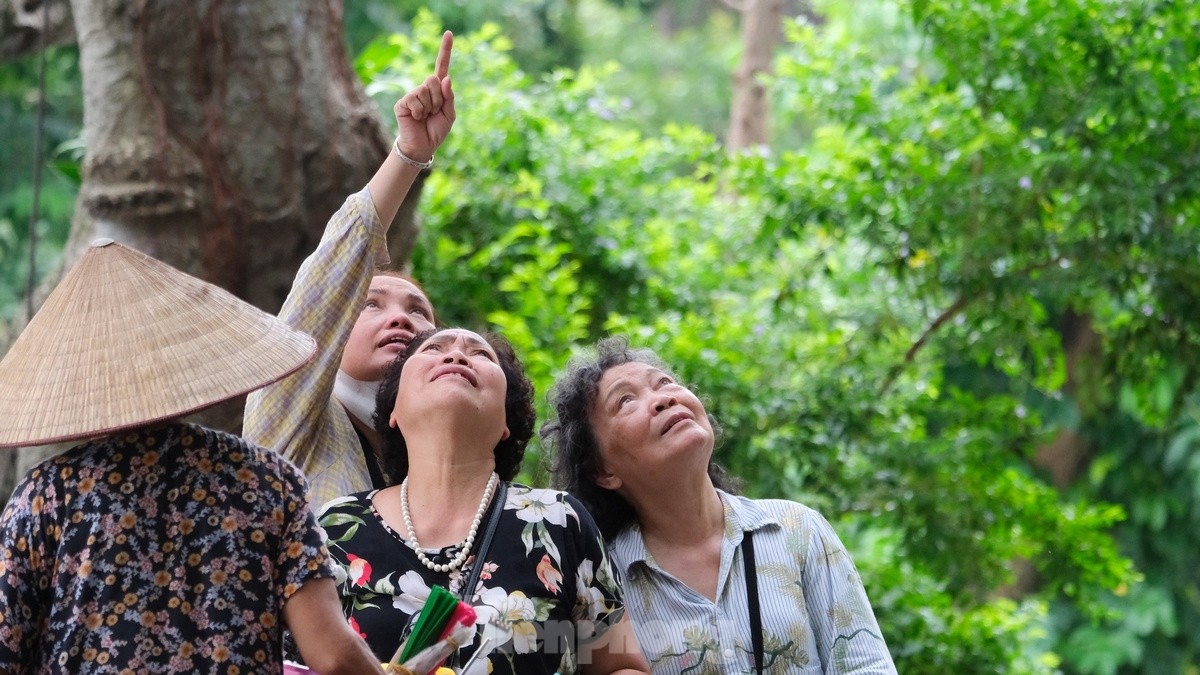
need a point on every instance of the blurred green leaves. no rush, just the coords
(874, 317)
(60, 166)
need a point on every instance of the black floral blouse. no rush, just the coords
(546, 584)
(171, 549)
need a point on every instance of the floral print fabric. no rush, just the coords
(545, 584)
(170, 549)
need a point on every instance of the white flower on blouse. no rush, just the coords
(509, 617)
(542, 506)
(589, 600)
(413, 593)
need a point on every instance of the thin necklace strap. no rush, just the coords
(489, 532)
(372, 461)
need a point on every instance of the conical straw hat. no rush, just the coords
(125, 340)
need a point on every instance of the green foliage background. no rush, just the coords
(62, 153)
(874, 306)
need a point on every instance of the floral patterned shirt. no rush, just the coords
(546, 583)
(165, 549)
(815, 614)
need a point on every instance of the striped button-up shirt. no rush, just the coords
(815, 613)
(298, 416)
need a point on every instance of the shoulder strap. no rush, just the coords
(756, 634)
(495, 510)
(481, 553)
(373, 468)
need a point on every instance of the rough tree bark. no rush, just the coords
(220, 135)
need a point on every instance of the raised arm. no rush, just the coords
(296, 416)
(423, 117)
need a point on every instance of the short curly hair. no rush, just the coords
(574, 452)
(519, 413)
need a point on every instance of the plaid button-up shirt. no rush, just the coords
(298, 416)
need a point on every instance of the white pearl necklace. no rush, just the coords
(461, 556)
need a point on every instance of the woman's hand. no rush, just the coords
(426, 113)
(424, 116)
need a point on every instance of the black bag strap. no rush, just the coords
(493, 520)
(756, 634)
(489, 532)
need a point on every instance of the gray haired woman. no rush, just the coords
(714, 582)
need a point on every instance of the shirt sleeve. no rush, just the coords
(292, 416)
(302, 556)
(599, 601)
(847, 635)
(25, 561)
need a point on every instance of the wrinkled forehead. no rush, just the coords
(625, 374)
(459, 336)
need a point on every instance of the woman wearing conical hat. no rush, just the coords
(156, 545)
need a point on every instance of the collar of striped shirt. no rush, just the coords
(741, 515)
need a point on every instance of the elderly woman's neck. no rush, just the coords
(444, 495)
(687, 513)
(452, 473)
(445, 461)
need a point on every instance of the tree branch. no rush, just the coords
(21, 26)
(960, 303)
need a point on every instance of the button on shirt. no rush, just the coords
(815, 614)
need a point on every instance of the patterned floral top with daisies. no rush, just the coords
(170, 549)
(545, 583)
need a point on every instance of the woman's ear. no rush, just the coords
(505, 434)
(607, 480)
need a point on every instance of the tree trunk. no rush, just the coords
(666, 19)
(221, 135)
(1069, 453)
(1065, 457)
(760, 33)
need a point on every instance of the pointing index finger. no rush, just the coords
(442, 69)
